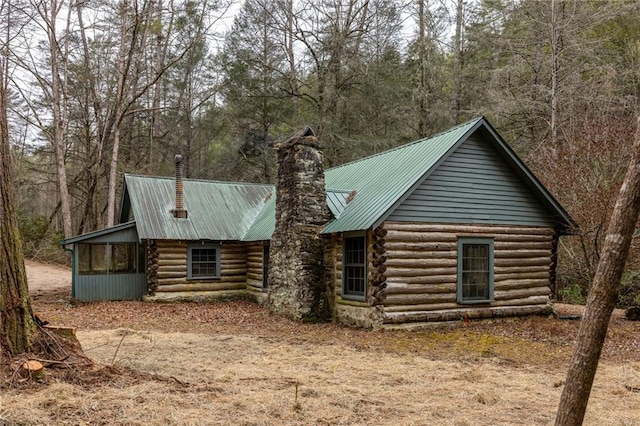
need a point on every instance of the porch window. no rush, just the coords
(354, 278)
(475, 270)
(110, 258)
(204, 261)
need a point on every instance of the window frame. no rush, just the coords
(357, 296)
(489, 242)
(204, 246)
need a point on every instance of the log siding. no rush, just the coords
(172, 269)
(255, 265)
(421, 271)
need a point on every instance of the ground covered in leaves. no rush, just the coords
(233, 363)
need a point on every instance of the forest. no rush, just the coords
(102, 88)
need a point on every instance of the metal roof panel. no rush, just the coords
(216, 210)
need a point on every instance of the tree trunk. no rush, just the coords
(457, 66)
(602, 296)
(16, 321)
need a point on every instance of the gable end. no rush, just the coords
(475, 184)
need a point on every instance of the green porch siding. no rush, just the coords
(473, 185)
(92, 288)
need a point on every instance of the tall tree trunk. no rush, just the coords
(59, 93)
(293, 77)
(602, 296)
(555, 64)
(16, 320)
(422, 59)
(457, 66)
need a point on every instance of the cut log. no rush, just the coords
(426, 246)
(514, 253)
(420, 263)
(421, 254)
(520, 293)
(32, 369)
(518, 284)
(535, 261)
(233, 269)
(434, 279)
(505, 245)
(380, 232)
(428, 227)
(419, 272)
(472, 313)
(419, 299)
(407, 236)
(499, 270)
(542, 275)
(404, 288)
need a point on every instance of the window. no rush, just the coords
(475, 270)
(111, 258)
(354, 268)
(204, 261)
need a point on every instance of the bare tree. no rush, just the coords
(16, 322)
(602, 296)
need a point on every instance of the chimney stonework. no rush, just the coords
(298, 275)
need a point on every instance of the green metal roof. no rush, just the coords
(265, 223)
(382, 179)
(360, 194)
(100, 233)
(216, 210)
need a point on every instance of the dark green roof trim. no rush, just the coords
(100, 233)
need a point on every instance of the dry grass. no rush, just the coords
(234, 364)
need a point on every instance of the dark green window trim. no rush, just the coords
(203, 261)
(354, 267)
(475, 270)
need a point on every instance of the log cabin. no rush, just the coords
(446, 228)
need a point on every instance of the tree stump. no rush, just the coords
(32, 369)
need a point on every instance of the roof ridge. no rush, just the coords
(397, 148)
(221, 182)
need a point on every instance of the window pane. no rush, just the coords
(354, 280)
(98, 262)
(204, 262)
(123, 258)
(84, 259)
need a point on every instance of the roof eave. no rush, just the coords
(98, 233)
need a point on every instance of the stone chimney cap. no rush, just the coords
(303, 137)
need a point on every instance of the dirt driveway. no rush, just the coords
(44, 278)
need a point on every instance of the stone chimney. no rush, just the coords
(179, 212)
(297, 272)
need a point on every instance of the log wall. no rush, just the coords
(255, 264)
(421, 271)
(171, 273)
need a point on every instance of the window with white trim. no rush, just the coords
(475, 270)
(204, 261)
(354, 257)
